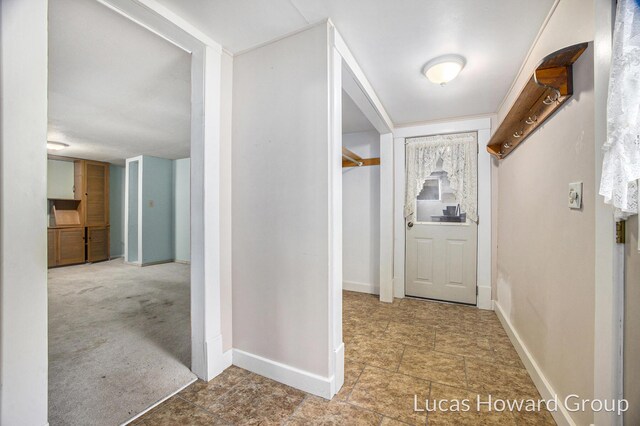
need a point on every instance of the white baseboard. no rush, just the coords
(561, 416)
(157, 262)
(218, 360)
(291, 376)
(227, 358)
(360, 287)
(484, 298)
(338, 362)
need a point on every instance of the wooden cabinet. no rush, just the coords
(65, 246)
(70, 246)
(92, 186)
(89, 242)
(97, 243)
(52, 252)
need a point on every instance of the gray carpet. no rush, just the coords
(119, 340)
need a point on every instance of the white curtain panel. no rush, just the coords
(459, 156)
(621, 165)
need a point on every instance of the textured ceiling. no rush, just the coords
(116, 90)
(393, 39)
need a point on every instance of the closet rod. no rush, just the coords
(359, 163)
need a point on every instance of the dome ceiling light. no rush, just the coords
(443, 69)
(56, 146)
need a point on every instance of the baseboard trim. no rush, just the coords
(291, 376)
(338, 376)
(227, 358)
(151, 407)
(484, 298)
(157, 262)
(360, 287)
(217, 359)
(561, 416)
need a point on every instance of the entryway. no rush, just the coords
(119, 329)
(441, 218)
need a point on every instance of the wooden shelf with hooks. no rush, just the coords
(550, 86)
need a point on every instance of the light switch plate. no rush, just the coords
(575, 195)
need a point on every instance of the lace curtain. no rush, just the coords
(459, 156)
(621, 165)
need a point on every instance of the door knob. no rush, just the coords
(410, 224)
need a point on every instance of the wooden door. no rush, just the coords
(96, 187)
(441, 261)
(52, 250)
(98, 244)
(70, 246)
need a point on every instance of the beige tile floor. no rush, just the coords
(393, 352)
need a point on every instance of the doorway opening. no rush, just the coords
(360, 201)
(119, 325)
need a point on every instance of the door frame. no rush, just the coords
(608, 363)
(208, 357)
(23, 298)
(345, 74)
(486, 239)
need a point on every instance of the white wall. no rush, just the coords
(116, 210)
(157, 210)
(181, 210)
(551, 308)
(23, 199)
(280, 207)
(60, 179)
(226, 216)
(361, 216)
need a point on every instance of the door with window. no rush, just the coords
(441, 220)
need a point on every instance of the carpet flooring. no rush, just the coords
(119, 340)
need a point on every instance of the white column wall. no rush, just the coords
(280, 206)
(23, 204)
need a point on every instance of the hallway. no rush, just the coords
(393, 352)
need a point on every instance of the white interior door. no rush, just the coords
(441, 261)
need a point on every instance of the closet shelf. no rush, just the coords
(351, 159)
(550, 86)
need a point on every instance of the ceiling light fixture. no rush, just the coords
(56, 146)
(443, 69)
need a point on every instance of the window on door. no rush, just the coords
(436, 202)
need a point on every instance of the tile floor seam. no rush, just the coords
(217, 398)
(355, 383)
(366, 409)
(425, 380)
(404, 348)
(466, 376)
(426, 420)
(215, 416)
(288, 419)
